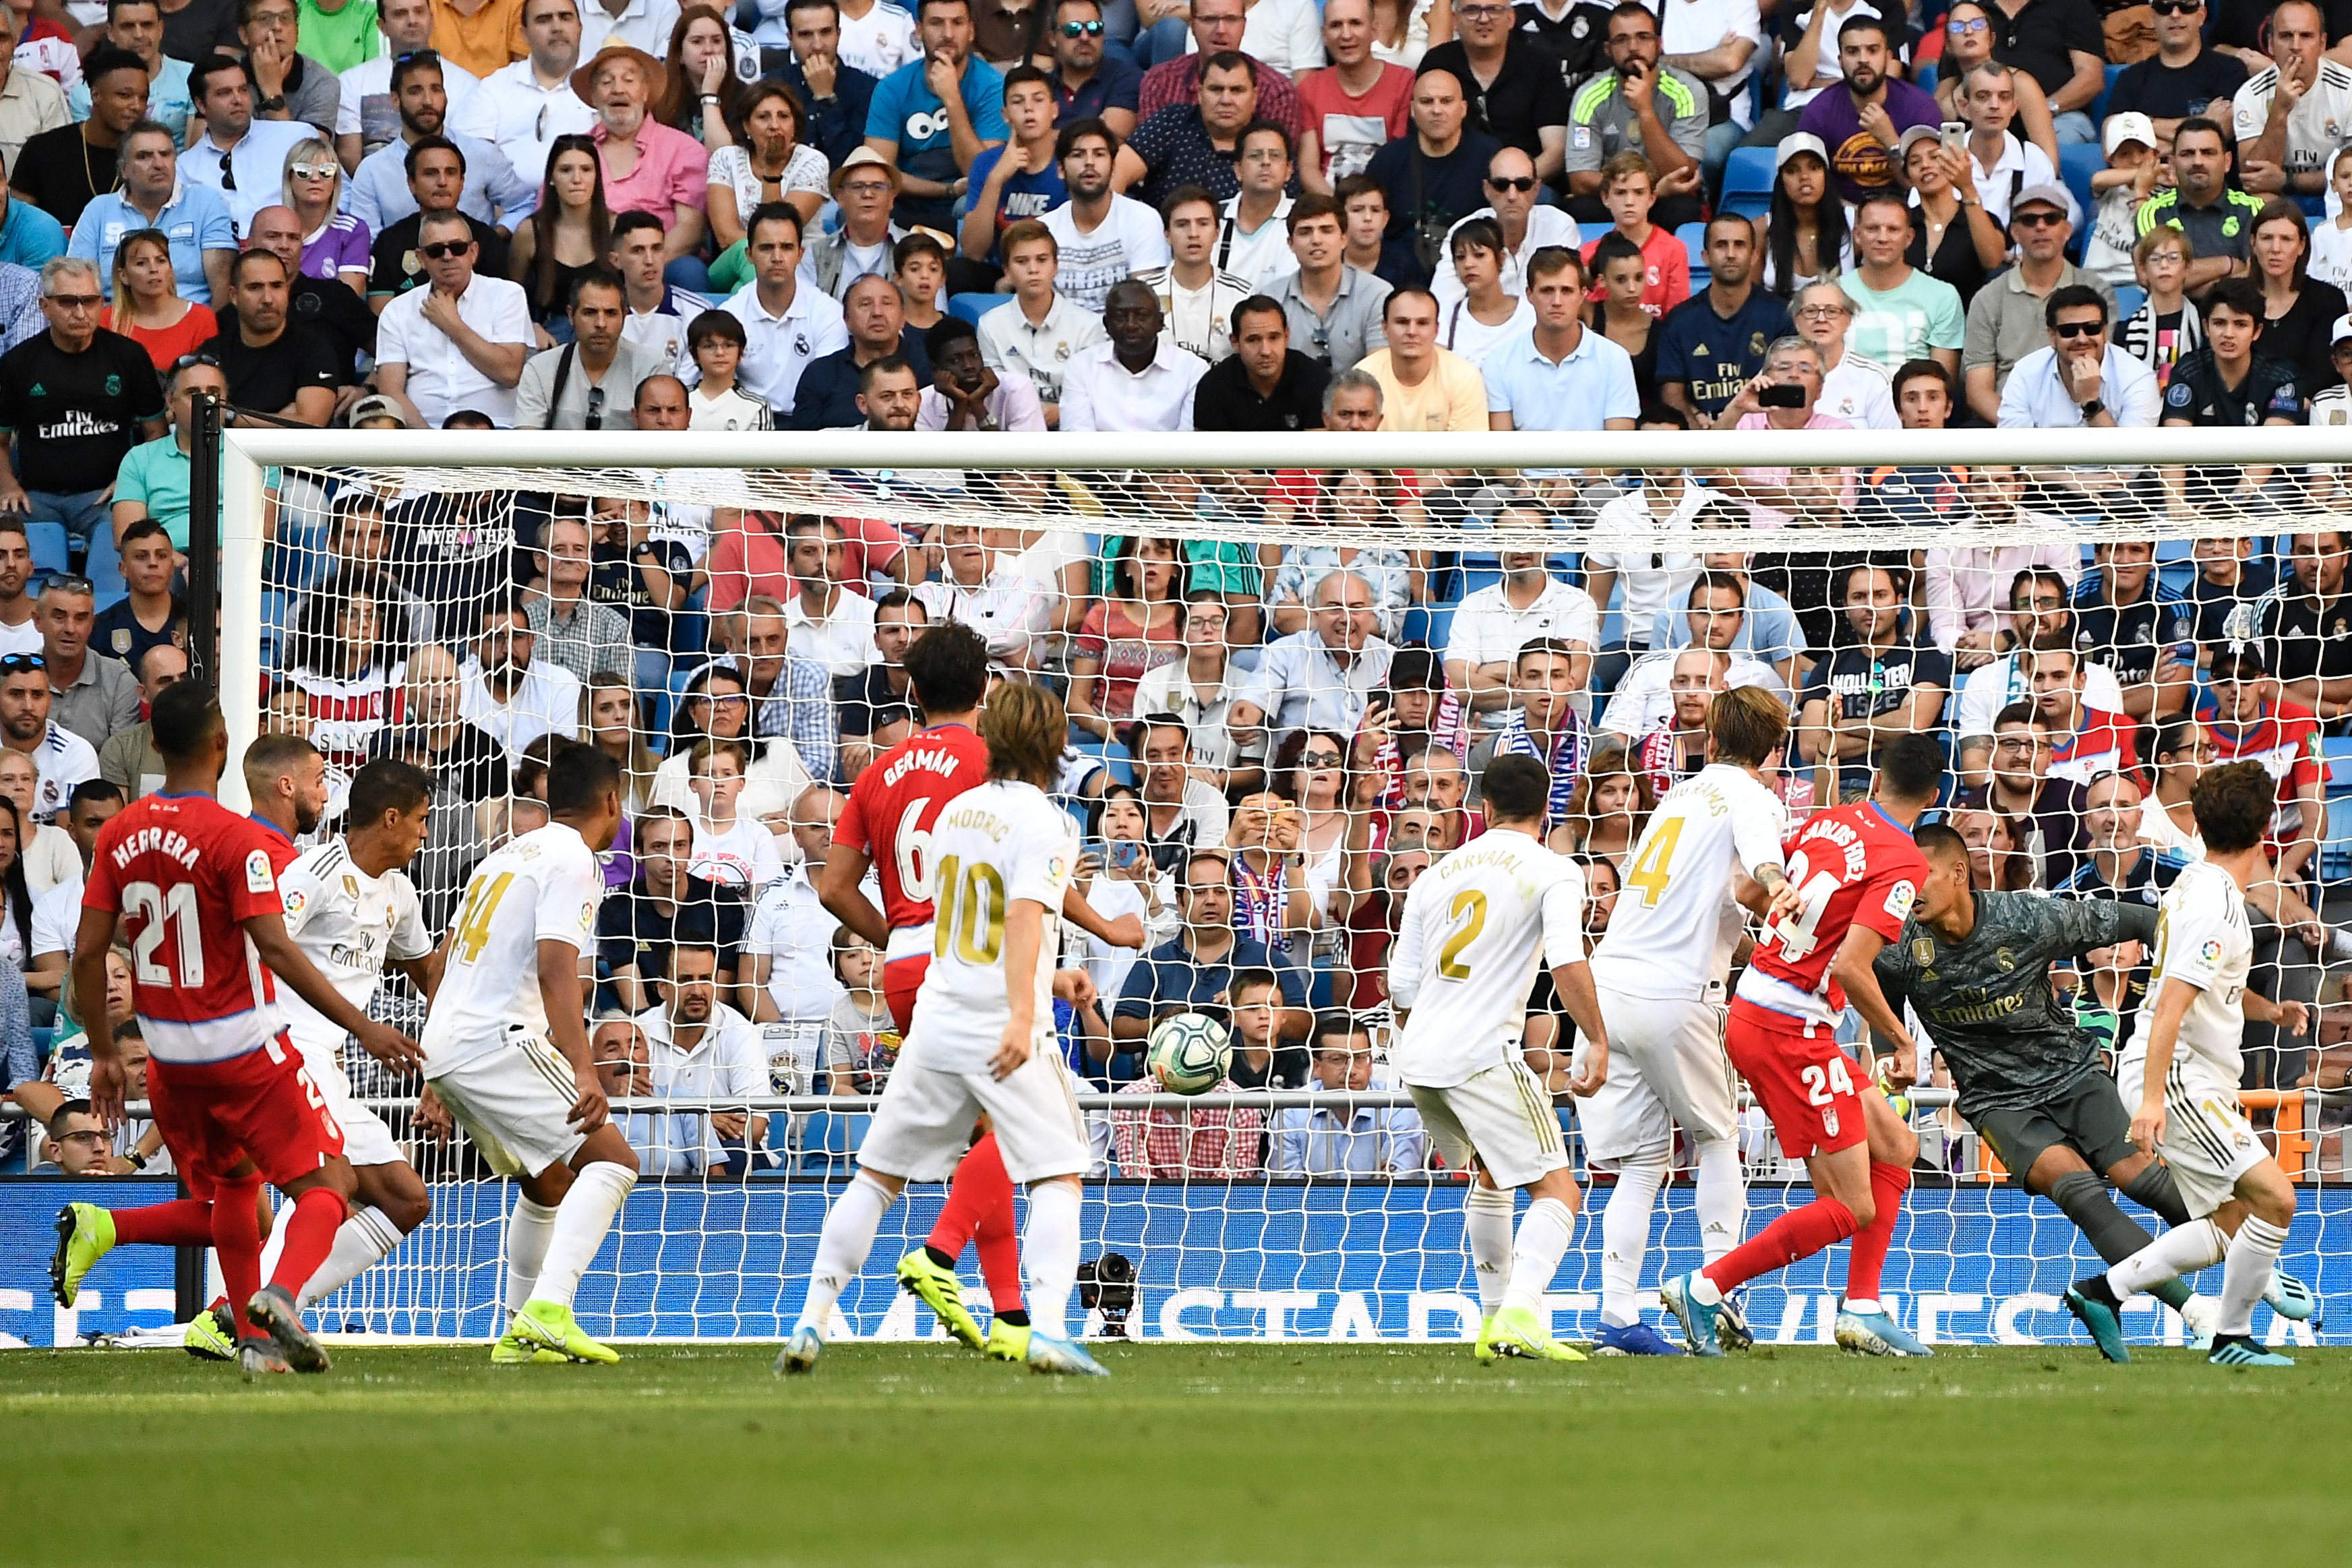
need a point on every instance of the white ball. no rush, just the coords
(1189, 1053)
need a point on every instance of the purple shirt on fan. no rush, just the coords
(341, 247)
(1858, 164)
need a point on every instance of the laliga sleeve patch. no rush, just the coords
(1899, 900)
(296, 901)
(588, 916)
(2210, 952)
(259, 877)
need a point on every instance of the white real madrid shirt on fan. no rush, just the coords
(347, 923)
(1476, 927)
(1676, 903)
(541, 886)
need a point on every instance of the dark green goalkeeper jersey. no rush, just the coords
(1987, 1002)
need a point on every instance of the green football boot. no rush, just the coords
(85, 1235)
(1007, 1342)
(1519, 1332)
(543, 1325)
(942, 1293)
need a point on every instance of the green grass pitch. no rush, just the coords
(1193, 1454)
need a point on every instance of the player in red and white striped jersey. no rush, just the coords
(1857, 873)
(195, 889)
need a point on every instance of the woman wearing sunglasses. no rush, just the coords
(1967, 43)
(334, 244)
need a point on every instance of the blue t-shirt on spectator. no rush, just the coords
(196, 220)
(905, 110)
(29, 236)
(1170, 977)
(1024, 195)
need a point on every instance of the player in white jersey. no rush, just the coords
(506, 1050)
(352, 909)
(1001, 855)
(2182, 1071)
(1476, 927)
(1659, 974)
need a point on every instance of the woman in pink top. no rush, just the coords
(648, 167)
(1132, 630)
(334, 244)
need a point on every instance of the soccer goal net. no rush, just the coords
(1303, 650)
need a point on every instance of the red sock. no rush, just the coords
(1888, 1186)
(237, 1237)
(1800, 1233)
(182, 1222)
(980, 1207)
(311, 1229)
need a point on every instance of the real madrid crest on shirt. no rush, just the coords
(801, 344)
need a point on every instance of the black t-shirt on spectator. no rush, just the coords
(1224, 399)
(267, 378)
(2301, 337)
(1859, 681)
(394, 268)
(2129, 639)
(1419, 188)
(59, 173)
(1526, 96)
(201, 27)
(2038, 38)
(2197, 392)
(2212, 604)
(858, 697)
(632, 931)
(2204, 86)
(1579, 41)
(455, 553)
(2307, 639)
(472, 763)
(330, 309)
(614, 579)
(76, 417)
(117, 633)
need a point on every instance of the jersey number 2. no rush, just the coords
(151, 906)
(1472, 903)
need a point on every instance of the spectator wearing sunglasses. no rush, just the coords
(458, 344)
(2008, 318)
(239, 155)
(77, 399)
(2183, 79)
(61, 758)
(1089, 83)
(272, 364)
(591, 382)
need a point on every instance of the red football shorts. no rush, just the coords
(1804, 1083)
(901, 978)
(260, 1106)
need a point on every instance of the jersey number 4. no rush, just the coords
(153, 908)
(1654, 867)
(474, 919)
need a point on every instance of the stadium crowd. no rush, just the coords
(1230, 214)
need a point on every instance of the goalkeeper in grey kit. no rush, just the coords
(1975, 966)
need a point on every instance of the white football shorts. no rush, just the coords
(1666, 1067)
(366, 1140)
(2207, 1141)
(1503, 1116)
(515, 1104)
(924, 1123)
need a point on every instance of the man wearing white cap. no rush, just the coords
(2130, 144)
(2182, 79)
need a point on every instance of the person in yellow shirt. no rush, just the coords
(483, 35)
(1422, 386)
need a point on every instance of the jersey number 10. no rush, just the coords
(970, 911)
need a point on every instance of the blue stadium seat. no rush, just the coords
(1926, 76)
(42, 1038)
(2129, 298)
(2098, 110)
(973, 307)
(47, 542)
(1694, 238)
(108, 588)
(1748, 181)
(1429, 625)
(2076, 163)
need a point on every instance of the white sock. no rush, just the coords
(363, 1239)
(842, 1247)
(1625, 1237)
(1722, 1197)
(581, 1221)
(528, 1229)
(2247, 1268)
(2175, 1255)
(1545, 1232)
(1049, 1257)
(1487, 1225)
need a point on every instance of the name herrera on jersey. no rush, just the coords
(930, 759)
(163, 841)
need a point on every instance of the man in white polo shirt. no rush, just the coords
(784, 325)
(460, 343)
(532, 97)
(1138, 380)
